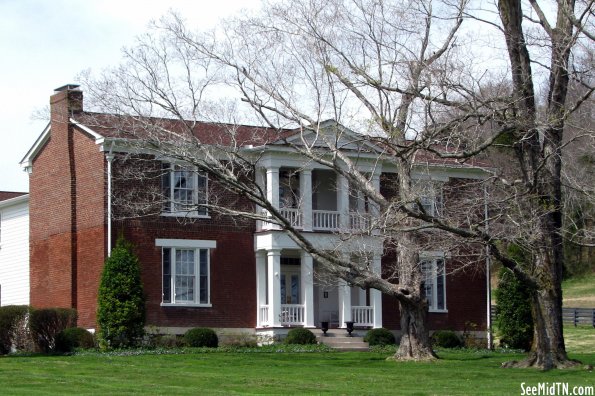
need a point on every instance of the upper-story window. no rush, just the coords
(430, 197)
(185, 191)
(434, 285)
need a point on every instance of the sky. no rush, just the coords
(46, 43)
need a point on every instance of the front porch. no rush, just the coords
(290, 293)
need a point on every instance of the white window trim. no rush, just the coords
(197, 245)
(433, 257)
(190, 213)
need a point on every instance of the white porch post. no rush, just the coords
(260, 180)
(306, 198)
(343, 201)
(374, 210)
(344, 303)
(274, 289)
(307, 276)
(261, 284)
(376, 295)
(273, 188)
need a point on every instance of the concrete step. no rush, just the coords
(342, 342)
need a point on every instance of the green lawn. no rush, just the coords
(458, 372)
(579, 292)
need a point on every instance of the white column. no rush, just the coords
(306, 198)
(374, 210)
(260, 180)
(376, 295)
(261, 284)
(344, 303)
(273, 188)
(274, 286)
(307, 277)
(343, 201)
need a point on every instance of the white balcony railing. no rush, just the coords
(294, 216)
(264, 315)
(363, 315)
(359, 221)
(292, 314)
(325, 220)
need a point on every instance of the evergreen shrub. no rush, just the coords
(121, 301)
(446, 339)
(74, 337)
(201, 337)
(300, 336)
(11, 317)
(514, 320)
(46, 323)
(380, 336)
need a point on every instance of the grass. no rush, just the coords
(458, 372)
(579, 339)
(579, 292)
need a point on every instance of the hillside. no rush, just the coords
(579, 292)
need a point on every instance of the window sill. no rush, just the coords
(185, 214)
(179, 305)
(438, 310)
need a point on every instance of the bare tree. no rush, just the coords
(400, 74)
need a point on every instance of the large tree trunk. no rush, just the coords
(548, 350)
(415, 340)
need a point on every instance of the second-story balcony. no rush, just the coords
(316, 200)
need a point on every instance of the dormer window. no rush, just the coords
(184, 191)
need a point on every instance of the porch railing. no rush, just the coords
(264, 315)
(294, 216)
(292, 314)
(325, 220)
(359, 221)
(362, 315)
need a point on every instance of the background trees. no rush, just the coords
(412, 81)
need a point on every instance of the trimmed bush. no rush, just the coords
(380, 336)
(12, 323)
(300, 336)
(74, 337)
(446, 339)
(514, 320)
(46, 323)
(121, 305)
(201, 337)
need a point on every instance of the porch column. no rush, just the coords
(343, 201)
(344, 303)
(306, 198)
(260, 179)
(374, 210)
(376, 295)
(273, 188)
(261, 285)
(274, 286)
(307, 276)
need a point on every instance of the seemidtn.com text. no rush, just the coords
(556, 389)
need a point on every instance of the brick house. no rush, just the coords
(206, 269)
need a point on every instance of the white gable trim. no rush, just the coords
(42, 139)
(98, 138)
(14, 201)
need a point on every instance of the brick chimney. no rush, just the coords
(66, 100)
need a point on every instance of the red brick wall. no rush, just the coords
(67, 212)
(465, 302)
(232, 270)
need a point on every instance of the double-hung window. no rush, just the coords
(430, 197)
(184, 190)
(434, 285)
(186, 272)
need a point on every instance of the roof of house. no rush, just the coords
(129, 127)
(5, 195)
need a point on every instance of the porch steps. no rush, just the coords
(339, 340)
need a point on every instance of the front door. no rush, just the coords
(290, 284)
